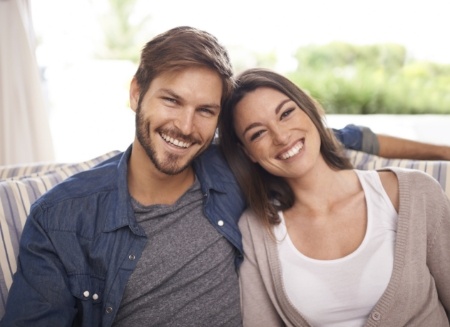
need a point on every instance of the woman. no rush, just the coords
(327, 245)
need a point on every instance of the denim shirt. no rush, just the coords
(81, 243)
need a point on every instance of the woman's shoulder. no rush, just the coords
(391, 186)
(410, 177)
(248, 217)
(250, 223)
(413, 182)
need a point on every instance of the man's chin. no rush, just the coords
(174, 165)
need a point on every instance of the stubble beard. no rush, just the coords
(171, 164)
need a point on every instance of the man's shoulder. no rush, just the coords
(80, 186)
(212, 167)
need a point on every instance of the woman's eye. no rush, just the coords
(287, 113)
(254, 136)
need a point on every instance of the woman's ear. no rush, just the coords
(135, 92)
(247, 153)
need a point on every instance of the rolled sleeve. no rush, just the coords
(360, 138)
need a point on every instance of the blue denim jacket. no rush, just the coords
(81, 241)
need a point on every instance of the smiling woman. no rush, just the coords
(315, 225)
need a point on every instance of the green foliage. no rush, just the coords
(372, 79)
(121, 31)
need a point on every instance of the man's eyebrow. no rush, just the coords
(171, 93)
(277, 110)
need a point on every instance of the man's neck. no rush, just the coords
(149, 186)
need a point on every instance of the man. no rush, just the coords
(149, 237)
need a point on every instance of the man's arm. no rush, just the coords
(395, 147)
(362, 138)
(39, 294)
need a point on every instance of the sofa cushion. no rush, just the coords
(22, 186)
(439, 170)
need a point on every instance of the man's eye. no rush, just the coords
(206, 111)
(170, 100)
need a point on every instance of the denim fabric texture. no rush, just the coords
(84, 242)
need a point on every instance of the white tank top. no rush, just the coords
(343, 292)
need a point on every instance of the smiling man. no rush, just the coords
(149, 237)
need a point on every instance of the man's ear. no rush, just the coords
(135, 92)
(247, 153)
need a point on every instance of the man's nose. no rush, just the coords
(185, 121)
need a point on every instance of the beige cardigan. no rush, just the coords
(418, 293)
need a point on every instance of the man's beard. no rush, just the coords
(170, 165)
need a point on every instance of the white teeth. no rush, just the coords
(296, 149)
(175, 142)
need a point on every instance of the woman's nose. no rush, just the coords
(280, 136)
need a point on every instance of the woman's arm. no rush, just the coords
(257, 308)
(439, 247)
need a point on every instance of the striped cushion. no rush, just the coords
(23, 170)
(22, 186)
(437, 169)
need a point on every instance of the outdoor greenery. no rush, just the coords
(345, 78)
(351, 79)
(122, 31)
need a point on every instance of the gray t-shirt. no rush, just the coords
(186, 275)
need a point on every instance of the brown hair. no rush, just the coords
(266, 193)
(183, 47)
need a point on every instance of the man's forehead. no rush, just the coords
(199, 81)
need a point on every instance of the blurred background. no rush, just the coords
(383, 64)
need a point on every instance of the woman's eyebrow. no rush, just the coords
(277, 110)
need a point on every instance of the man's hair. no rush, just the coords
(183, 47)
(266, 193)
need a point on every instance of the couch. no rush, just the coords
(21, 185)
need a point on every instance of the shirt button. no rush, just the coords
(376, 316)
(95, 297)
(109, 309)
(131, 257)
(220, 223)
(86, 293)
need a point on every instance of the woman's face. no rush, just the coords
(276, 133)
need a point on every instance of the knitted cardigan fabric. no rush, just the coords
(418, 293)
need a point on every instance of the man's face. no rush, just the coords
(177, 117)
